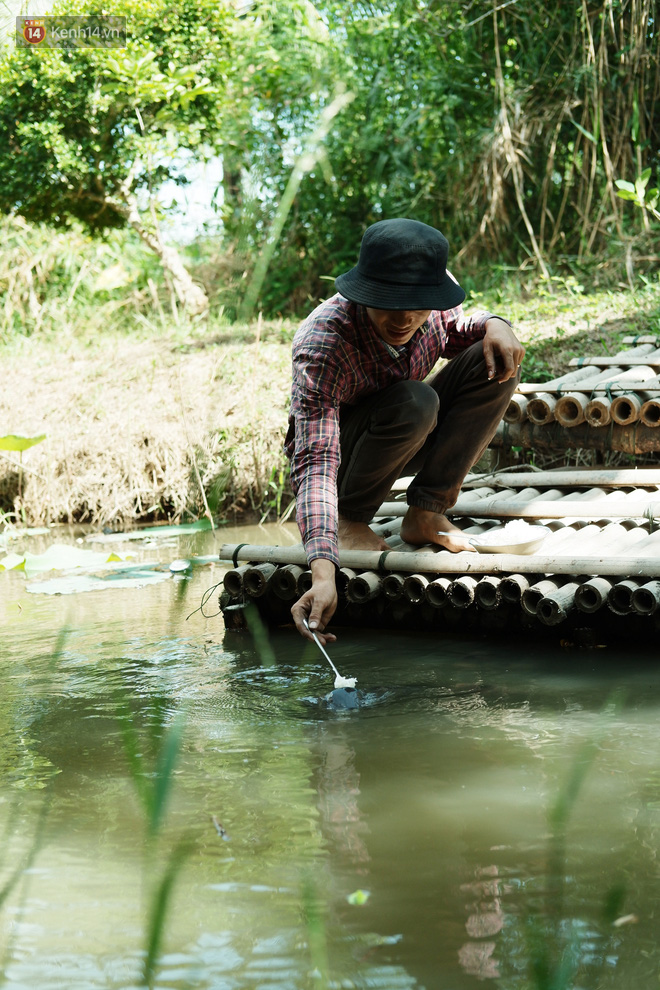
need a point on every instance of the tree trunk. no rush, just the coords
(191, 296)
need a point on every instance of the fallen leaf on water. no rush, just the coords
(626, 919)
(359, 897)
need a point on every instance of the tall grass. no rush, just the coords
(153, 781)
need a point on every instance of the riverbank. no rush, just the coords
(177, 425)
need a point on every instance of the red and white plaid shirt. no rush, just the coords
(338, 359)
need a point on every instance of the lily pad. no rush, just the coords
(74, 584)
(58, 557)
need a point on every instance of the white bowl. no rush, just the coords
(488, 543)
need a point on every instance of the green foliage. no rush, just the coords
(77, 127)
(646, 199)
(502, 130)
(19, 444)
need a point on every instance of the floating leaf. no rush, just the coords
(359, 897)
(58, 557)
(12, 442)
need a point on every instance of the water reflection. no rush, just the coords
(433, 797)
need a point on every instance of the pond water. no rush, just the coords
(409, 844)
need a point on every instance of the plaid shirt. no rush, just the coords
(338, 359)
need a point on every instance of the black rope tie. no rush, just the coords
(381, 561)
(234, 556)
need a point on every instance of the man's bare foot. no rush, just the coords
(358, 536)
(420, 526)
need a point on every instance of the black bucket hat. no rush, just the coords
(402, 265)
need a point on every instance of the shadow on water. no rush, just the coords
(486, 814)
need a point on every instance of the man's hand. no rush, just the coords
(502, 350)
(317, 605)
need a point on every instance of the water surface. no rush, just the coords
(433, 799)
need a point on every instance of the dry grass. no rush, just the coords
(125, 422)
(131, 423)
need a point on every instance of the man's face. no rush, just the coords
(396, 326)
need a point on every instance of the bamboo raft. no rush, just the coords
(597, 573)
(609, 402)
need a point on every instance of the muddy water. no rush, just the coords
(431, 805)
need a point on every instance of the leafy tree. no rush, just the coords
(507, 125)
(93, 134)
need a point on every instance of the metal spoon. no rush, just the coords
(339, 680)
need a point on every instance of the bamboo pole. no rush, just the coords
(646, 599)
(650, 413)
(437, 592)
(555, 606)
(363, 587)
(345, 575)
(558, 384)
(619, 600)
(565, 509)
(512, 588)
(461, 592)
(534, 595)
(602, 361)
(541, 409)
(304, 582)
(571, 409)
(429, 562)
(598, 411)
(574, 477)
(634, 439)
(285, 581)
(256, 578)
(392, 586)
(625, 409)
(516, 411)
(592, 594)
(487, 592)
(414, 587)
(233, 580)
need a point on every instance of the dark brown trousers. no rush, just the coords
(435, 430)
